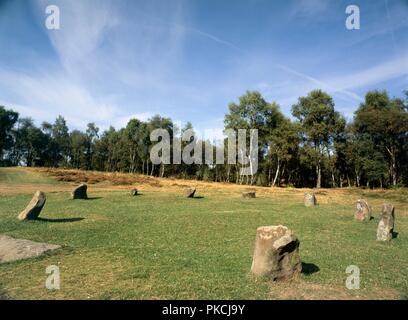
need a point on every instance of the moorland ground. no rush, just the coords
(160, 245)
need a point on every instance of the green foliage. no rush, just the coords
(7, 120)
(320, 126)
(317, 149)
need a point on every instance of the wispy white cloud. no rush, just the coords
(115, 62)
(376, 74)
(310, 7)
(50, 95)
(325, 85)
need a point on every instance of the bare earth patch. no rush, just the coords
(297, 289)
(18, 249)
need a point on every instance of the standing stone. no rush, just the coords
(251, 194)
(385, 228)
(80, 192)
(189, 192)
(310, 200)
(363, 212)
(33, 210)
(133, 192)
(276, 253)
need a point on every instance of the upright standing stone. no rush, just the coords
(250, 194)
(80, 192)
(310, 199)
(189, 192)
(363, 212)
(276, 253)
(386, 225)
(33, 210)
(133, 192)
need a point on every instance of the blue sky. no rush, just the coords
(114, 60)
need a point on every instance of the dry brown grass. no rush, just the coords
(93, 177)
(105, 181)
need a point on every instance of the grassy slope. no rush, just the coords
(16, 176)
(161, 245)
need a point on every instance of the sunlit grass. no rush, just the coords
(160, 245)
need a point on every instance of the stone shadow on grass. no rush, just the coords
(309, 268)
(198, 197)
(394, 235)
(61, 220)
(93, 198)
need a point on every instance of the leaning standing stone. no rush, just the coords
(309, 200)
(276, 253)
(80, 192)
(386, 225)
(363, 212)
(133, 192)
(189, 192)
(251, 194)
(33, 210)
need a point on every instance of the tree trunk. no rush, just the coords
(276, 174)
(357, 179)
(319, 175)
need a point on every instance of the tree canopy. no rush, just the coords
(317, 149)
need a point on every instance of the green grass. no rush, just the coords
(15, 176)
(162, 246)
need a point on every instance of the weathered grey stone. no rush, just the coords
(251, 194)
(385, 227)
(133, 192)
(80, 192)
(17, 249)
(276, 253)
(363, 212)
(310, 199)
(33, 209)
(189, 192)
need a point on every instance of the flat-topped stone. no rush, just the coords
(276, 253)
(309, 199)
(385, 229)
(363, 212)
(250, 194)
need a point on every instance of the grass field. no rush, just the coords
(160, 245)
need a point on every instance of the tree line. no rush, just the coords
(318, 148)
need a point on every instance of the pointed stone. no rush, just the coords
(189, 192)
(80, 192)
(33, 209)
